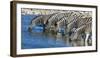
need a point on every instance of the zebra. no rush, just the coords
(34, 22)
(41, 19)
(56, 18)
(83, 29)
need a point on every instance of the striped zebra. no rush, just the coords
(62, 25)
(34, 22)
(42, 19)
(83, 29)
(72, 19)
(53, 21)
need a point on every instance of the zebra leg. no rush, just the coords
(86, 39)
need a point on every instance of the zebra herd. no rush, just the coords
(74, 24)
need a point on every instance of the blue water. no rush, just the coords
(37, 39)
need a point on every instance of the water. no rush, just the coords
(37, 39)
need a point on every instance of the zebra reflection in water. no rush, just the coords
(73, 27)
